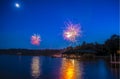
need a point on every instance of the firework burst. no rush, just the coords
(71, 32)
(35, 39)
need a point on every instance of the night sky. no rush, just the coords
(99, 20)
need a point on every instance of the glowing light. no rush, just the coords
(17, 5)
(35, 67)
(35, 39)
(71, 32)
(71, 69)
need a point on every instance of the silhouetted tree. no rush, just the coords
(87, 46)
(84, 43)
(112, 44)
(77, 47)
(69, 48)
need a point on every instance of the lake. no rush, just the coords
(43, 67)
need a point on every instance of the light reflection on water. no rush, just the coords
(71, 69)
(40, 67)
(68, 69)
(35, 67)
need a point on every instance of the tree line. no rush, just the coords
(110, 46)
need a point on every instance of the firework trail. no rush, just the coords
(35, 39)
(71, 32)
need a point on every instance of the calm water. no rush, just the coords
(40, 67)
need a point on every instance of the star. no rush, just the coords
(17, 5)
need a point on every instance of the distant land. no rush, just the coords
(45, 52)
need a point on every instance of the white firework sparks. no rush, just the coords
(71, 32)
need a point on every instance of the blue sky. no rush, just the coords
(99, 19)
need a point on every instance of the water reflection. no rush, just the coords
(35, 67)
(55, 68)
(71, 69)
